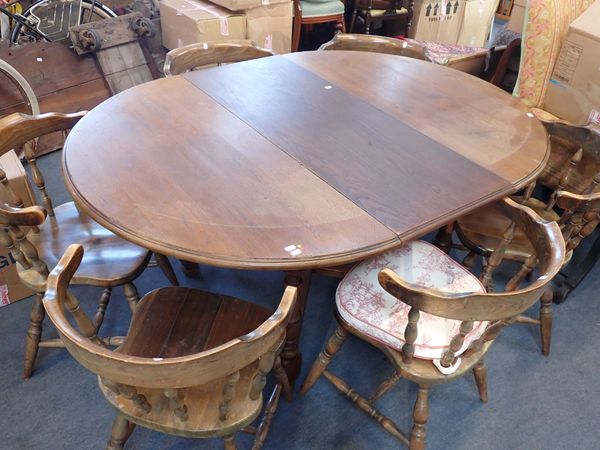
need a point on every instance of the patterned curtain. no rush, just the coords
(547, 23)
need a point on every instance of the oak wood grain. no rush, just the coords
(355, 147)
(227, 195)
(311, 152)
(466, 114)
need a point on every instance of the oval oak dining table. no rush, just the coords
(301, 161)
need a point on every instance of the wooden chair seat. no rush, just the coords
(178, 321)
(485, 227)
(108, 258)
(175, 322)
(372, 312)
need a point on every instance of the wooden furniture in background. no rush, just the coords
(264, 167)
(573, 166)
(193, 364)
(432, 295)
(310, 13)
(504, 9)
(61, 80)
(115, 44)
(370, 11)
(375, 44)
(111, 261)
(190, 57)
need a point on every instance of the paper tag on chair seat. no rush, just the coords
(447, 370)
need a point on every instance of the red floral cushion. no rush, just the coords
(362, 302)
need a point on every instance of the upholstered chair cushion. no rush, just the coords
(316, 8)
(546, 26)
(363, 303)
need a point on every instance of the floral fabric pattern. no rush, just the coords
(362, 302)
(546, 28)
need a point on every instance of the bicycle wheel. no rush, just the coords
(43, 15)
(21, 83)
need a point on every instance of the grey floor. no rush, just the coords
(535, 402)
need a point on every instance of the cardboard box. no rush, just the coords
(186, 22)
(11, 288)
(437, 21)
(240, 5)
(573, 92)
(477, 22)
(517, 16)
(270, 26)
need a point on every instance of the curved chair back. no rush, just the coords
(190, 57)
(21, 130)
(574, 160)
(580, 217)
(161, 373)
(498, 308)
(18, 130)
(375, 44)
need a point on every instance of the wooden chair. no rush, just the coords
(193, 364)
(370, 11)
(190, 57)
(431, 318)
(313, 12)
(375, 44)
(37, 242)
(573, 166)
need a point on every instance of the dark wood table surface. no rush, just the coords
(300, 161)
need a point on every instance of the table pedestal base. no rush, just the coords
(291, 358)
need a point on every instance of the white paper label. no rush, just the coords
(224, 26)
(567, 62)
(594, 116)
(4, 300)
(269, 42)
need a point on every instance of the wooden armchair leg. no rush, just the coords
(263, 429)
(443, 238)
(282, 379)
(121, 430)
(480, 373)
(131, 294)
(34, 334)
(101, 310)
(420, 416)
(229, 442)
(166, 267)
(333, 346)
(546, 321)
(353, 18)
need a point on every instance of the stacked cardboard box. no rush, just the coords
(11, 288)
(437, 21)
(477, 22)
(463, 22)
(517, 16)
(266, 23)
(574, 89)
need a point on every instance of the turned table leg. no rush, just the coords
(291, 358)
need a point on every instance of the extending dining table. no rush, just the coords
(297, 162)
